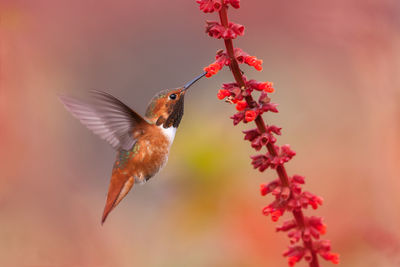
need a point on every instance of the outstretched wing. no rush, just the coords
(107, 117)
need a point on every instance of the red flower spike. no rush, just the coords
(303, 231)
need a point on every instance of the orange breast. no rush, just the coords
(147, 157)
(152, 154)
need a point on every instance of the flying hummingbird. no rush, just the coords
(142, 143)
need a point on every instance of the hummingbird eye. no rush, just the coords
(172, 96)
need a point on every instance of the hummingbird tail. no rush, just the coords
(120, 185)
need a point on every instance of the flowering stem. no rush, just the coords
(237, 73)
(304, 231)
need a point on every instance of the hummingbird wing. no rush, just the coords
(107, 117)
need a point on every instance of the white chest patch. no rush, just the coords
(169, 133)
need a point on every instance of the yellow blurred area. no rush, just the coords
(335, 68)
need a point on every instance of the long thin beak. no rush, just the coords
(193, 81)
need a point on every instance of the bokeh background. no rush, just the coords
(335, 65)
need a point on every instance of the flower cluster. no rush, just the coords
(291, 198)
(322, 247)
(236, 95)
(259, 140)
(216, 30)
(288, 196)
(223, 59)
(269, 160)
(209, 6)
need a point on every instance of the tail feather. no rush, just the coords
(120, 185)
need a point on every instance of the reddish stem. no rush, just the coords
(237, 74)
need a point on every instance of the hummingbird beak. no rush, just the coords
(186, 86)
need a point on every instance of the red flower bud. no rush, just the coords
(234, 3)
(212, 69)
(333, 257)
(250, 115)
(267, 87)
(254, 62)
(238, 117)
(275, 215)
(208, 6)
(216, 30)
(223, 93)
(241, 105)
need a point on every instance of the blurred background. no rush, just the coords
(335, 66)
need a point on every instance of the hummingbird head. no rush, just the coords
(166, 107)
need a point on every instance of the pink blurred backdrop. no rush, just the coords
(335, 65)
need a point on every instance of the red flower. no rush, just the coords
(267, 87)
(238, 117)
(233, 31)
(293, 260)
(234, 3)
(223, 93)
(241, 105)
(275, 215)
(333, 257)
(208, 6)
(216, 30)
(254, 62)
(212, 69)
(250, 115)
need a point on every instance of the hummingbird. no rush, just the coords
(142, 143)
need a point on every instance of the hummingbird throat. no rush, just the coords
(174, 115)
